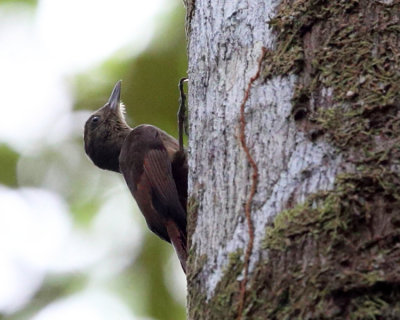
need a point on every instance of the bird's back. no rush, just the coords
(146, 162)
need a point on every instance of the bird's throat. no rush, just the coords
(104, 151)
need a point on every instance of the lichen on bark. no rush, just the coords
(350, 47)
(221, 306)
(337, 256)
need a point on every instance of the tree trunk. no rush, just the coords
(294, 159)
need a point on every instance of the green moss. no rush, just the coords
(222, 304)
(371, 133)
(350, 47)
(292, 21)
(332, 212)
(192, 207)
(336, 256)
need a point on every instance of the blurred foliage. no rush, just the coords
(54, 287)
(150, 81)
(145, 279)
(151, 95)
(80, 184)
(28, 2)
(154, 78)
(8, 163)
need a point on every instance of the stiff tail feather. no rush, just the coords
(179, 241)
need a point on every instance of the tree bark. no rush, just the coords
(312, 160)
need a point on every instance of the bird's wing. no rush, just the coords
(157, 168)
(147, 169)
(144, 153)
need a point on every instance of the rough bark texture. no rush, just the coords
(323, 127)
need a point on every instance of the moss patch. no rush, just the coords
(220, 306)
(191, 208)
(350, 47)
(337, 256)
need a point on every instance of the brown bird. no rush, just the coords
(152, 163)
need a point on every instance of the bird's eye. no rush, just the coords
(95, 119)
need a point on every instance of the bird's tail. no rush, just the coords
(179, 241)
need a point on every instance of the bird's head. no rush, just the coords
(105, 131)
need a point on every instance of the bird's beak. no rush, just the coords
(113, 102)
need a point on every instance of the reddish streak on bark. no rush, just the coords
(254, 182)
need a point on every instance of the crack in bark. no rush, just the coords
(253, 189)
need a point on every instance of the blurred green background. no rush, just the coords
(73, 244)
